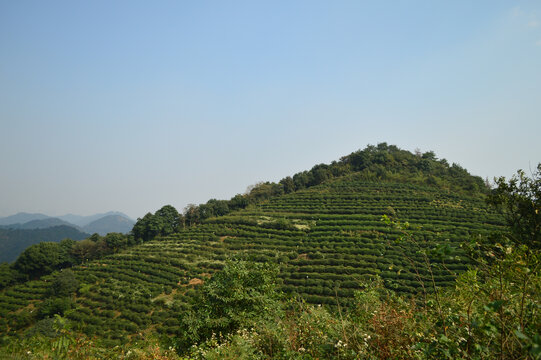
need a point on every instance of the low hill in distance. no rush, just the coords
(21, 218)
(14, 241)
(39, 224)
(108, 224)
(82, 221)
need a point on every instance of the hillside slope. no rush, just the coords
(326, 238)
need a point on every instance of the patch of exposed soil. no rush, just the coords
(195, 281)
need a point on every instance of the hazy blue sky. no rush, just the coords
(130, 105)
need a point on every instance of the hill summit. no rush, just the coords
(110, 223)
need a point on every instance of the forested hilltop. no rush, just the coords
(382, 254)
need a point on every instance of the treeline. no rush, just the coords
(388, 161)
(375, 162)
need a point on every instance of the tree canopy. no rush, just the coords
(41, 259)
(519, 200)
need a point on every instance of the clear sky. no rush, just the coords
(131, 105)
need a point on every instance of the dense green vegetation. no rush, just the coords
(384, 254)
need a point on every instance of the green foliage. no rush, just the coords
(97, 246)
(116, 241)
(379, 327)
(44, 327)
(519, 200)
(237, 297)
(41, 259)
(8, 275)
(54, 306)
(64, 284)
(84, 250)
(164, 222)
(503, 292)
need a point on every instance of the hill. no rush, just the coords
(322, 227)
(82, 221)
(21, 218)
(14, 241)
(39, 224)
(109, 224)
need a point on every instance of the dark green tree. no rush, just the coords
(115, 241)
(288, 184)
(84, 250)
(320, 173)
(192, 214)
(64, 284)
(519, 200)
(40, 259)
(54, 306)
(8, 275)
(217, 207)
(66, 246)
(141, 229)
(167, 220)
(238, 202)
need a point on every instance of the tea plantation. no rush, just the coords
(326, 239)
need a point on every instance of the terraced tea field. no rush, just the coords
(327, 239)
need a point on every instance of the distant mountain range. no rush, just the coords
(38, 224)
(21, 230)
(86, 220)
(110, 223)
(21, 218)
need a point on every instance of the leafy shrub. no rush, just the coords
(238, 296)
(54, 306)
(64, 284)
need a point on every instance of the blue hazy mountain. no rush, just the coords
(39, 224)
(110, 223)
(85, 220)
(21, 218)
